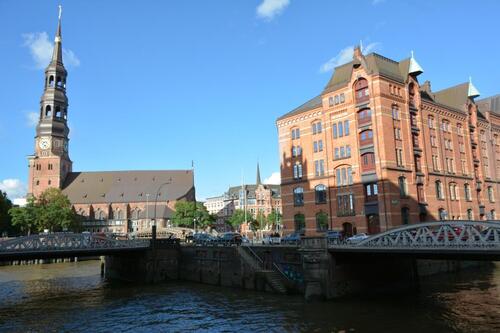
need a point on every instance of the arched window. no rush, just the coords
(135, 214)
(298, 196)
(403, 188)
(493, 215)
(99, 214)
(320, 194)
(299, 222)
(430, 121)
(439, 190)
(118, 214)
(366, 138)
(59, 81)
(443, 214)
(316, 127)
(367, 162)
(405, 215)
(491, 194)
(57, 113)
(364, 116)
(453, 191)
(321, 221)
(51, 81)
(470, 214)
(361, 90)
(297, 170)
(48, 111)
(467, 192)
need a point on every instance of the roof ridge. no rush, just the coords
(449, 88)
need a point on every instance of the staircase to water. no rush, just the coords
(274, 278)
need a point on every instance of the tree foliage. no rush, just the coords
(5, 219)
(274, 218)
(238, 218)
(187, 211)
(51, 210)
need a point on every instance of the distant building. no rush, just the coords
(114, 201)
(255, 198)
(377, 149)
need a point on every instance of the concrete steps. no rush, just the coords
(273, 278)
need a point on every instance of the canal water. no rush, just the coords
(72, 297)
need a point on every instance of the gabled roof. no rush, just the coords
(127, 186)
(491, 104)
(234, 191)
(311, 104)
(455, 97)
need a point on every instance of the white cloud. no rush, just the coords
(344, 56)
(14, 188)
(31, 119)
(268, 9)
(275, 179)
(41, 50)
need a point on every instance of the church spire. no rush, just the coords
(258, 175)
(57, 53)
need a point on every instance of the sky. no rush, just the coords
(159, 84)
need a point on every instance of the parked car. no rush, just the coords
(356, 238)
(273, 239)
(202, 238)
(230, 238)
(334, 236)
(245, 240)
(293, 238)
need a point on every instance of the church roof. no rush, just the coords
(127, 186)
(234, 192)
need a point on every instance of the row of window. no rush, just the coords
(342, 152)
(338, 99)
(340, 129)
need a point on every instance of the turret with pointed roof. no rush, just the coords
(258, 181)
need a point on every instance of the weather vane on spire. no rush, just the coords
(60, 11)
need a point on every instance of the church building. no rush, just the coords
(108, 201)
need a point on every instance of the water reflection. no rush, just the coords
(72, 297)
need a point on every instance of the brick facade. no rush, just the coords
(376, 150)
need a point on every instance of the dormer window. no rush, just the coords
(362, 92)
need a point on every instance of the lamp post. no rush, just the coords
(147, 208)
(153, 236)
(194, 224)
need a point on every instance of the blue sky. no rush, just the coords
(157, 84)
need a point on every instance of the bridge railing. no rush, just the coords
(67, 241)
(443, 234)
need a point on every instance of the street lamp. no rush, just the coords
(194, 224)
(153, 236)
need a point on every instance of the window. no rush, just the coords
(341, 130)
(453, 191)
(470, 214)
(320, 194)
(319, 168)
(316, 128)
(433, 141)
(346, 127)
(493, 214)
(435, 163)
(467, 192)
(336, 154)
(348, 151)
(445, 126)
(364, 116)
(430, 121)
(334, 130)
(342, 98)
(367, 162)
(403, 188)
(460, 130)
(321, 221)
(395, 112)
(399, 157)
(296, 151)
(439, 190)
(299, 222)
(344, 176)
(371, 191)
(330, 101)
(298, 196)
(361, 91)
(405, 215)
(318, 146)
(397, 133)
(336, 99)
(443, 214)
(48, 111)
(491, 195)
(297, 171)
(366, 137)
(295, 133)
(50, 166)
(345, 205)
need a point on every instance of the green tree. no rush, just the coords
(187, 211)
(52, 211)
(260, 220)
(274, 218)
(238, 218)
(5, 219)
(25, 218)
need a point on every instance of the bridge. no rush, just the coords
(66, 245)
(454, 240)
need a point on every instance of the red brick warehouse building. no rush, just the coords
(377, 149)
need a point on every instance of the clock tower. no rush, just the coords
(50, 164)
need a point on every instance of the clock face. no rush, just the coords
(44, 143)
